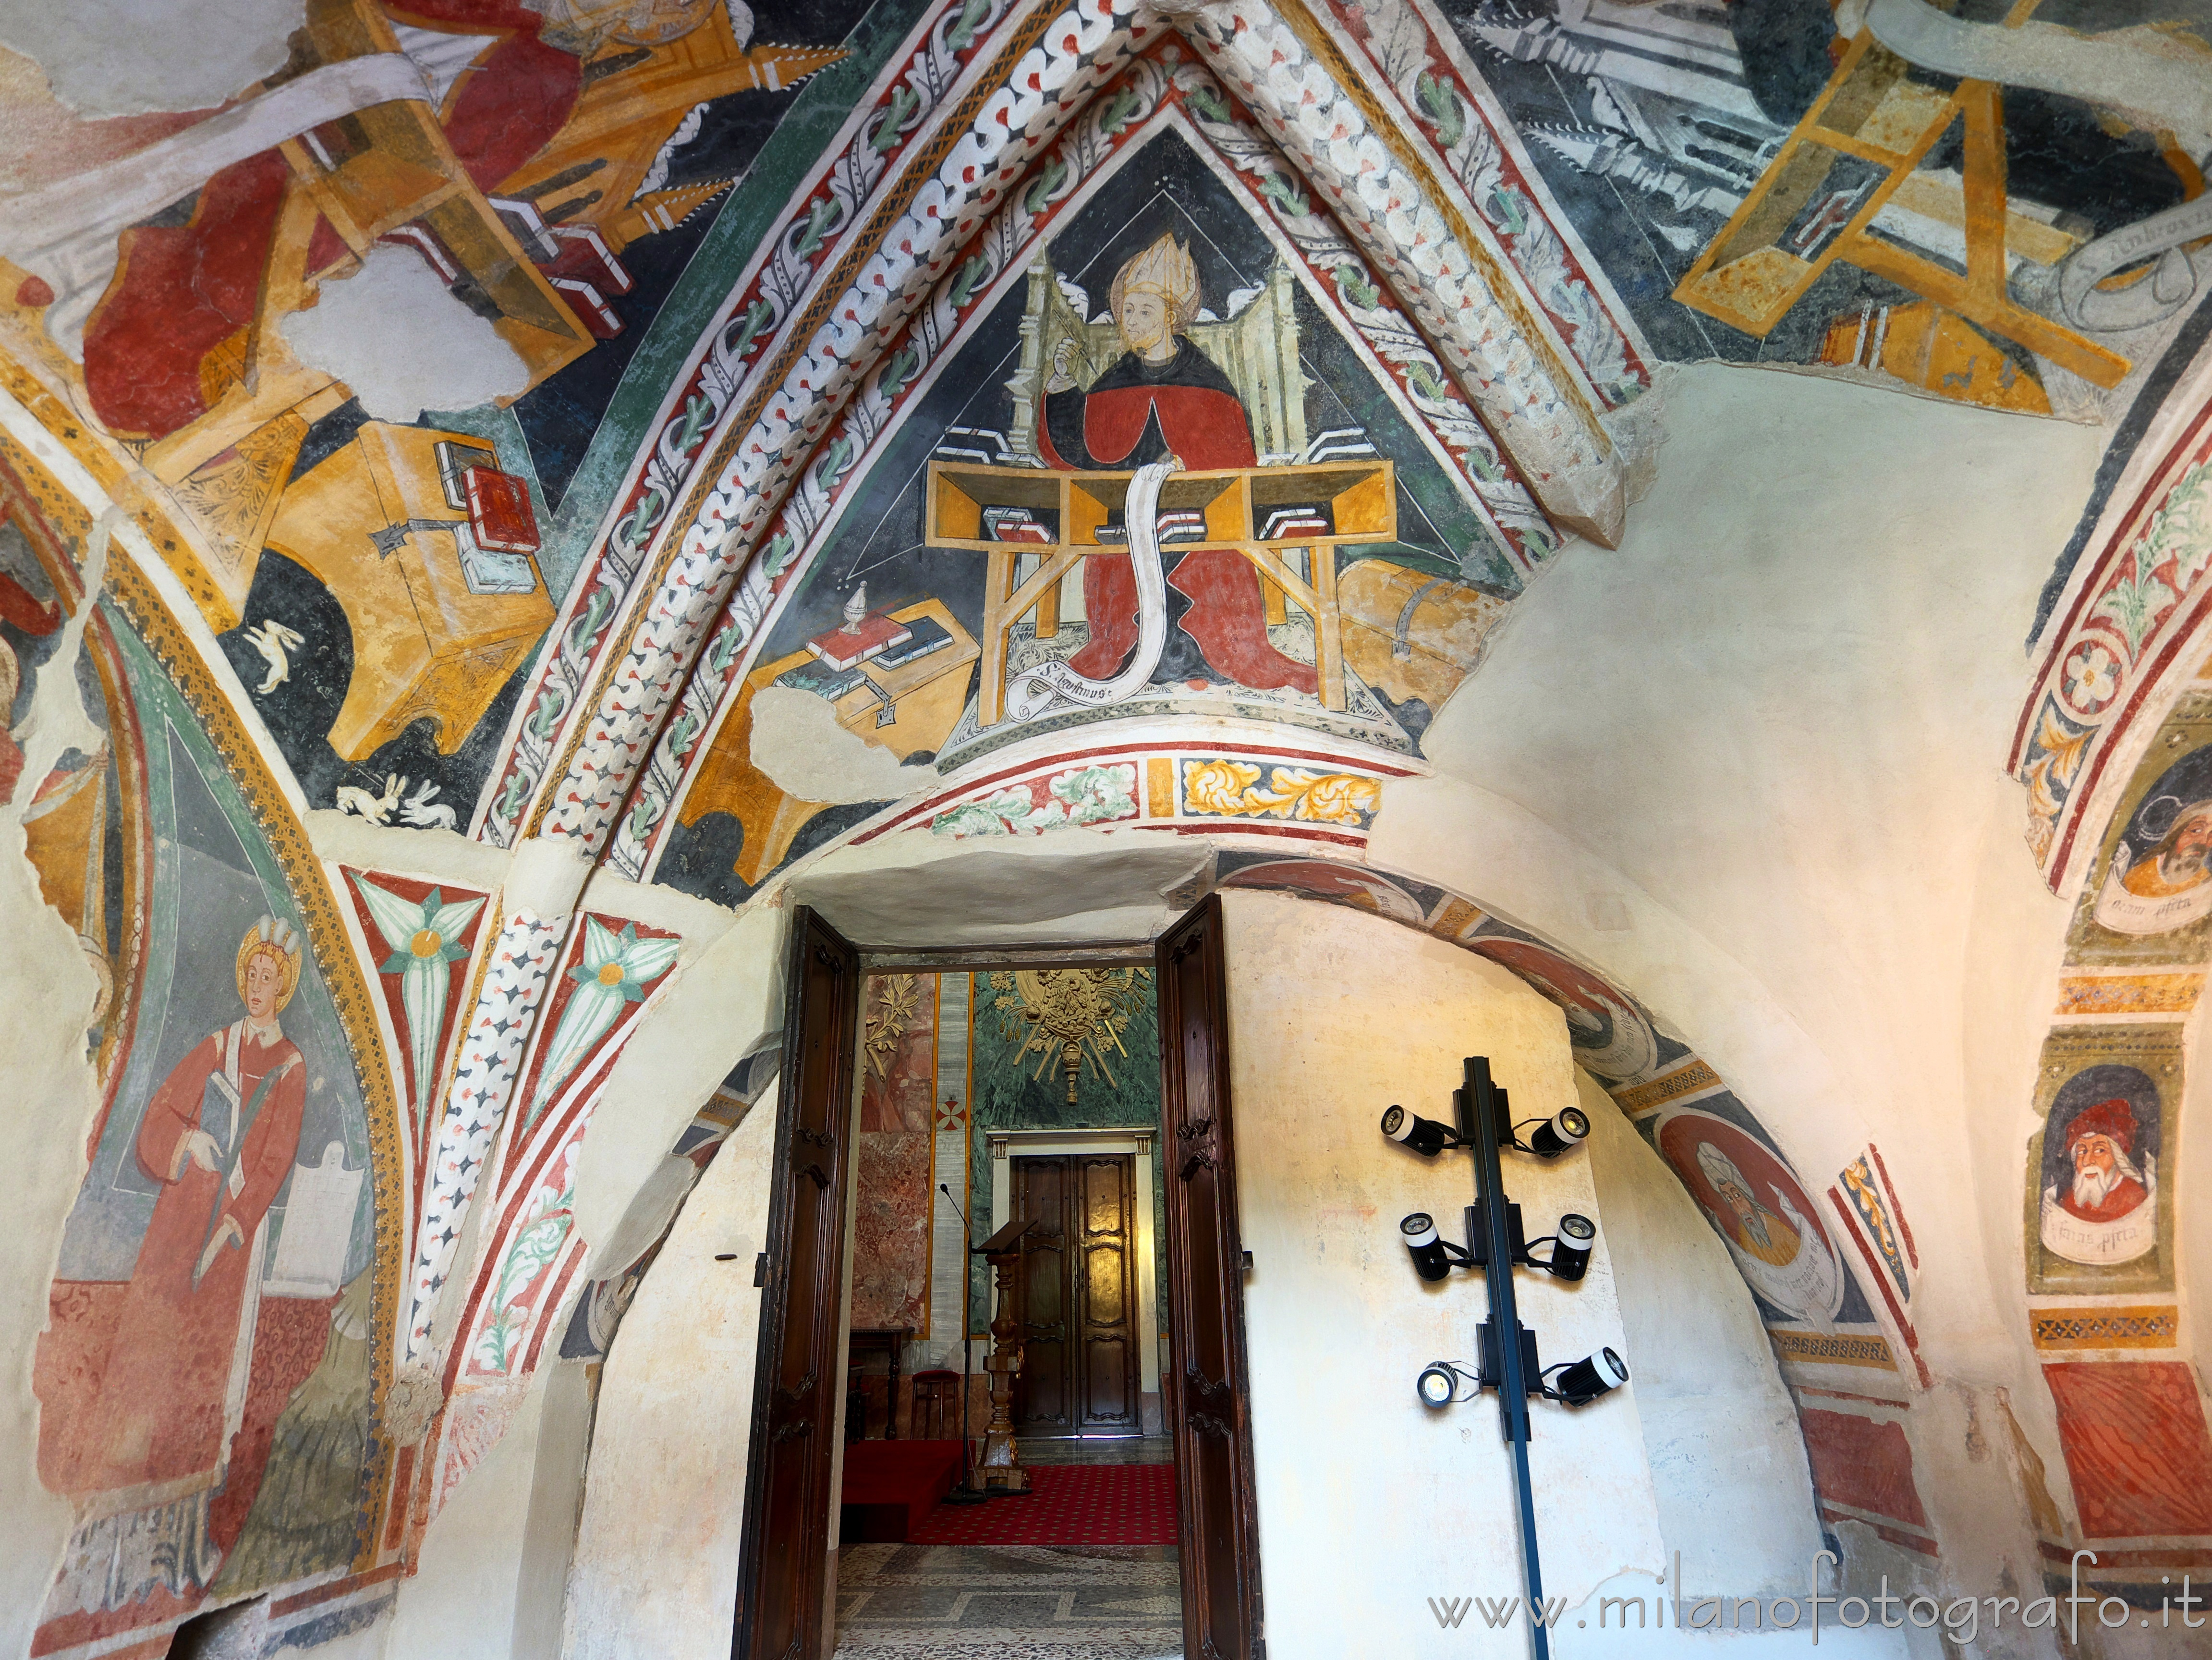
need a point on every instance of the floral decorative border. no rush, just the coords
(1139, 786)
(1441, 95)
(2143, 598)
(1221, 786)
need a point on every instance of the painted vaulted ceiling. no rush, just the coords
(671, 305)
(689, 437)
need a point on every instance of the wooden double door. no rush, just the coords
(1079, 1292)
(783, 1610)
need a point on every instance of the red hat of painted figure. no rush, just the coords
(2113, 1119)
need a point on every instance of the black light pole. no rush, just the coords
(1480, 1107)
(968, 1494)
(1482, 1122)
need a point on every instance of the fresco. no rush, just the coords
(771, 456)
(2137, 1448)
(1770, 1227)
(2099, 1219)
(205, 1380)
(531, 1258)
(2097, 1222)
(289, 315)
(2151, 894)
(87, 830)
(2099, 1208)
(1762, 183)
(938, 642)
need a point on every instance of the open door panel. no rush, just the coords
(1207, 1386)
(796, 1378)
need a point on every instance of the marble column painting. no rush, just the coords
(949, 1239)
(891, 1238)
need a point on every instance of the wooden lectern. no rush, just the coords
(1265, 514)
(1001, 1467)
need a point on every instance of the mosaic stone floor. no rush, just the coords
(1008, 1602)
(1132, 1450)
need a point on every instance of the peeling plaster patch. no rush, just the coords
(56, 721)
(394, 334)
(797, 743)
(136, 57)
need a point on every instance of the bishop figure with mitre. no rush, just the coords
(1164, 397)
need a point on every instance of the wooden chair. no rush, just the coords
(935, 1410)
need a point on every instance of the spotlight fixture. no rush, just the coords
(1424, 1135)
(1594, 1374)
(1564, 1129)
(1482, 1122)
(1441, 1384)
(1432, 1256)
(1571, 1247)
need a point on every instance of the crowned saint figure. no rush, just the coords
(1164, 397)
(218, 1140)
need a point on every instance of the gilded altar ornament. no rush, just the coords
(1073, 1015)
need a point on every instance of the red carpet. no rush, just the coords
(1071, 1505)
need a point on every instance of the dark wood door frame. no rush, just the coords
(1204, 1376)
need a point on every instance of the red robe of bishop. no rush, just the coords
(1134, 414)
(165, 1388)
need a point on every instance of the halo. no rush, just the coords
(277, 939)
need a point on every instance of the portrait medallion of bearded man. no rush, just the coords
(2181, 860)
(2095, 1208)
(1781, 1251)
(1164, 397)
(2156, 886)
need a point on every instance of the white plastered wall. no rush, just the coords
(1369, 1502)
(1749, 765)
(656, 1561)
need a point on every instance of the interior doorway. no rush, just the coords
(1079, 1281)
(1120, 1310)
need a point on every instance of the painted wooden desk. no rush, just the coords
(1361, 497)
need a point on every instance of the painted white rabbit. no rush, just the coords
(377, 809)
(274, 642)
(418, 811)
